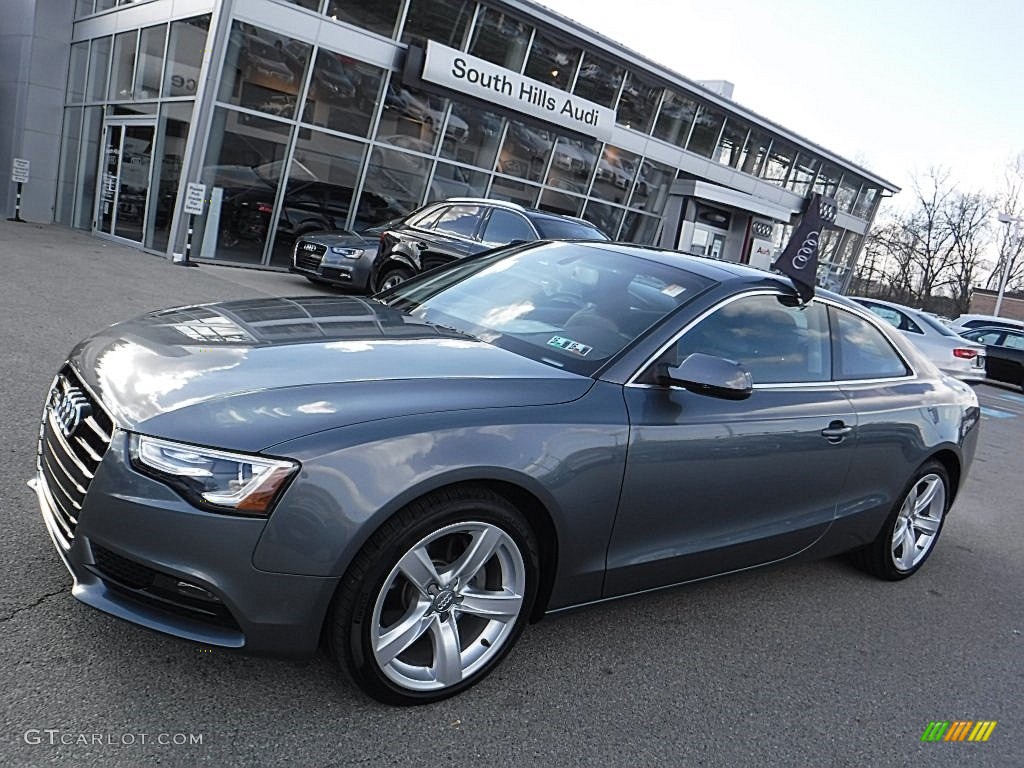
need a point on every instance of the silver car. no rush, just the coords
(952, 354)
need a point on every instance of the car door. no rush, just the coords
(714, 485)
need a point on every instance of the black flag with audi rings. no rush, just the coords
(799, 260)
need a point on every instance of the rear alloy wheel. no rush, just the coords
(909, 535)
(392, 277)
(437, 597)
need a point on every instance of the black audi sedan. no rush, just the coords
(1004, 353)
(417, 476)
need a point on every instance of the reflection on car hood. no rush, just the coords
(340, 237)
(248, 374)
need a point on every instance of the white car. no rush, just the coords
(952, 354)
(968, 322)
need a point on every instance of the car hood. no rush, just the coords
(346, 239)
(246, 375)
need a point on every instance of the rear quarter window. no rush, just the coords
(863, 351)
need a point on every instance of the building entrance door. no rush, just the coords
(708, 241)
(126, 166)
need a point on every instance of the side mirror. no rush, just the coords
(710, 375)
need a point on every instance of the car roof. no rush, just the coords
(995, 318)
(514, 207)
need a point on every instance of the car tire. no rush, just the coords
(391, 277)
(912, 529)
(436, 597)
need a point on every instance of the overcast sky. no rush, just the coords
(894, 85)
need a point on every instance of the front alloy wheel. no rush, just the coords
(437, 597)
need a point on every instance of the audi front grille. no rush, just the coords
(309, 255)
(73, 437)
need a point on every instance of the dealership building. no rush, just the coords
(298, 115)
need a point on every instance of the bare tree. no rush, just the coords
(1011, 243)
(968, 218)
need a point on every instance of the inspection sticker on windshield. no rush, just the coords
(672, 290)
(570, 346)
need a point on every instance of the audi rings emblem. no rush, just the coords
(806, 251)
(70, 409)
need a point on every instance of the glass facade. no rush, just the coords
(305, 136)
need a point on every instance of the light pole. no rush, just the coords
(1007, 219)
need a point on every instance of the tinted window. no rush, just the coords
(935, 325)
(864, 352)
(460, 220)
(506, 227)
(777, 343)
(1014, 341)
(551, 228)
(984, 337)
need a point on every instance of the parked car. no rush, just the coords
(466, 226)
(1004, 353)
(543, 426)
(965, 322)
(952, 354)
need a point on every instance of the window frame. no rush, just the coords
(863, 313)
(496, 209)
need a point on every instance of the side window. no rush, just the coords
(1014, 341)
(460, 220)
(895, 318)
(428, 219)
(779, 344)
(986, 337)
(863, 350)
(504, 227)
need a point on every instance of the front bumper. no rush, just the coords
(143, 554)
(346, 273)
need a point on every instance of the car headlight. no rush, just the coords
(348, 253)
(235, 483)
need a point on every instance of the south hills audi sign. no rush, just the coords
(481, 79)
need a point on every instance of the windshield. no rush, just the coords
(551, 228)
(570, 305)
(934, 324)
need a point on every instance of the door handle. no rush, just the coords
(836, 432)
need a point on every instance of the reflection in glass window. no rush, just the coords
(846, 253)
(804, 170)
(640, 229)
(123, 66)
(455, 181)
(321, 182)
(83, 7)
(151, 62)
(343, 93)
(378, 16)
(849, 187)
(598, 80)
(242, 171)
(77, 70)
(864, 353)
(560, 202)
(734, 139)
(615, 173)
(412, 113)
(483, 130)
(172, 133)
(776, 342)
(104, 5)
(755, 152)
(572, 164)
(395, 180)
(504, 227)
(263, 70)
(186, 50)
(312, 5)
(70, 141)
(780, 159)
(706, 128)
(828, 180)
(605, 217)
(651, 186)
(552, 61)
(525, 151)
(500, 39)
(638, 103)
(460, 220)
(92, 126)
(442, 20)
(675, 118)
(865, 205)
(514, 191)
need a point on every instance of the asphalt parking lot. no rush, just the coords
(807, 664)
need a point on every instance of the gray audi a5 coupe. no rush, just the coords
(415, 477)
